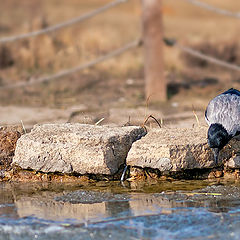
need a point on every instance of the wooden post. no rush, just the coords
(155, 84)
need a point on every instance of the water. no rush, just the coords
(111, 210)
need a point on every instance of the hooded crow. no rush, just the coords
(223, 117)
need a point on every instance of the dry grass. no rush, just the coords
(71, 46)
(75, 45)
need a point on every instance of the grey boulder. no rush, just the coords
(175, 149)
(76, 148)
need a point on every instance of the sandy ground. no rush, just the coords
(113, 90)
(29, 116)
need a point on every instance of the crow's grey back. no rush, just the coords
(225, 109)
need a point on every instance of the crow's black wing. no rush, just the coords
(232, 91)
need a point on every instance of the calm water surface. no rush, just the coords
(111, 210)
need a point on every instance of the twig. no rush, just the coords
(23, 127)
(203, 193)
(128, 123)
(194, 113)
(99, 121)
(147, 104)
(124, 173)
(150, 116)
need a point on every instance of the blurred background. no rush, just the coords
(112, 89)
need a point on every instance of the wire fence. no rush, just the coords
(63, 24)
(207, 58)
(214, 9)
(66, 72)
(200, 55)
(116, 52)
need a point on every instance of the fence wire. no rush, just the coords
(200, 55)
(214, 9)
(63, 24)
(114, 53)
(208, 58)
(66, 72)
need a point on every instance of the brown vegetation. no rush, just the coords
(119, 81)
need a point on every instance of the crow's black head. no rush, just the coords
(218, 137)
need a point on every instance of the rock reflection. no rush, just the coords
(7, 203)
(138, 204)
(120, 209)
(40, 201)
(51, 210)
(167, 211)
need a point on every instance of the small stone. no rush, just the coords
(233, 162)
(2, 173)
(136, 173)
(230, 175)
(237, 174)
(215, 174)
(211, 175)
(218, 173)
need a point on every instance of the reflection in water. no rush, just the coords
(52, 210)
(7, 203)
(159, 211)
(119, 209)
(37, 200)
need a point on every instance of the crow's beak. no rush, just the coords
(216, 154)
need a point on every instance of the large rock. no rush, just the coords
(8, 138)
(76, 148)
(176, 150)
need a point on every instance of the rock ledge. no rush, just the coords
(177, 150)
(76, 148)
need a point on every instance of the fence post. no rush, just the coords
(152, 27)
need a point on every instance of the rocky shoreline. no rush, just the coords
(82, 152)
